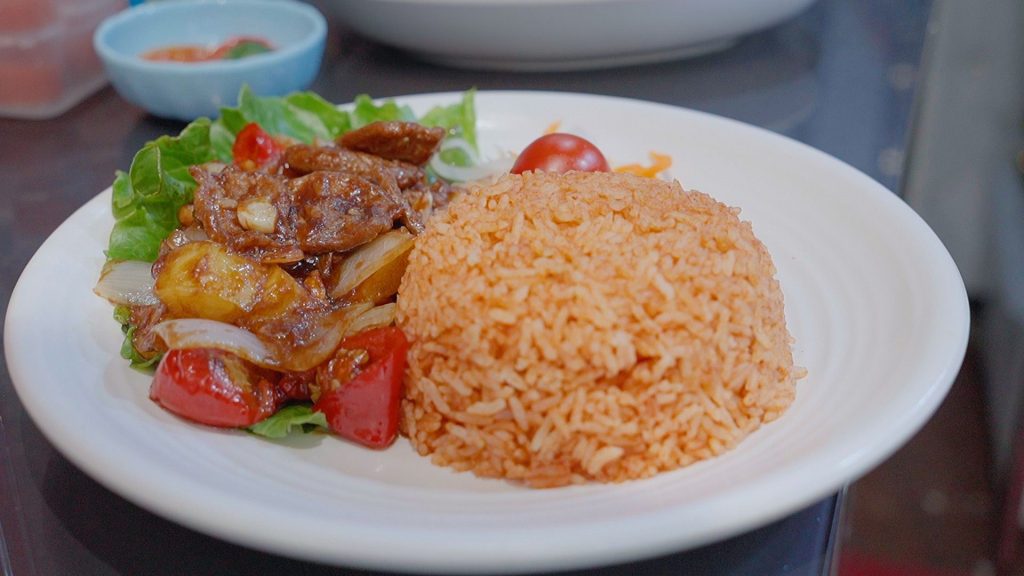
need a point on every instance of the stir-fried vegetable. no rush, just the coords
(127, 282)
(213, 387)
(246, 337)
(147, 197)
(364, 408)
(373, 270)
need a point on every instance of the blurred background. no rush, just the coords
(943, 84)
(949, 502)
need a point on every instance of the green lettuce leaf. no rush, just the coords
(138, 229)
(298, 417)
(364, 111)
(460, 121)
(335, 122)
(146, 199)
(303, 116)
(459, 118)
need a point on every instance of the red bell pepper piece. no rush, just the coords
(365, 408)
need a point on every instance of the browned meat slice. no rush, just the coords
(251, 212)
(303, 159)
(274, 219)
(403, 141)
(338, 211)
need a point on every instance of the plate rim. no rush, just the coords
(551, 559)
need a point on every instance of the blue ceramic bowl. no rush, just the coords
(186, 91)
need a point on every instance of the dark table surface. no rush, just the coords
(841, 77)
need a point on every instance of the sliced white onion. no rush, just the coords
(329, 330)
(200, 333)
(376, 317)
(478, 170)
(127, 282)
(369, 258)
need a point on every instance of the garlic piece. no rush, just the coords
(258, 216)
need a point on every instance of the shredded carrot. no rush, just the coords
(553, 127)
(659, 163)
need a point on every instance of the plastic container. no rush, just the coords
(47, 62)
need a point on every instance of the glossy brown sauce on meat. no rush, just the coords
(305, 213)
(218, 198)
(401, 141)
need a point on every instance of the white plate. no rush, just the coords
(559, 34)
(876, 305)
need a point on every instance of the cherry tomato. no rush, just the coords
(365, 408)
(213, 387)
(254, 148)
(560, 153)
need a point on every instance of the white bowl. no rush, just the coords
(559, 34)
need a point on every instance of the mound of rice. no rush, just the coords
(567, 328)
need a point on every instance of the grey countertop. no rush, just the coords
(841, 77)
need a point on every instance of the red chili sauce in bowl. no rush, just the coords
(230, 49)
